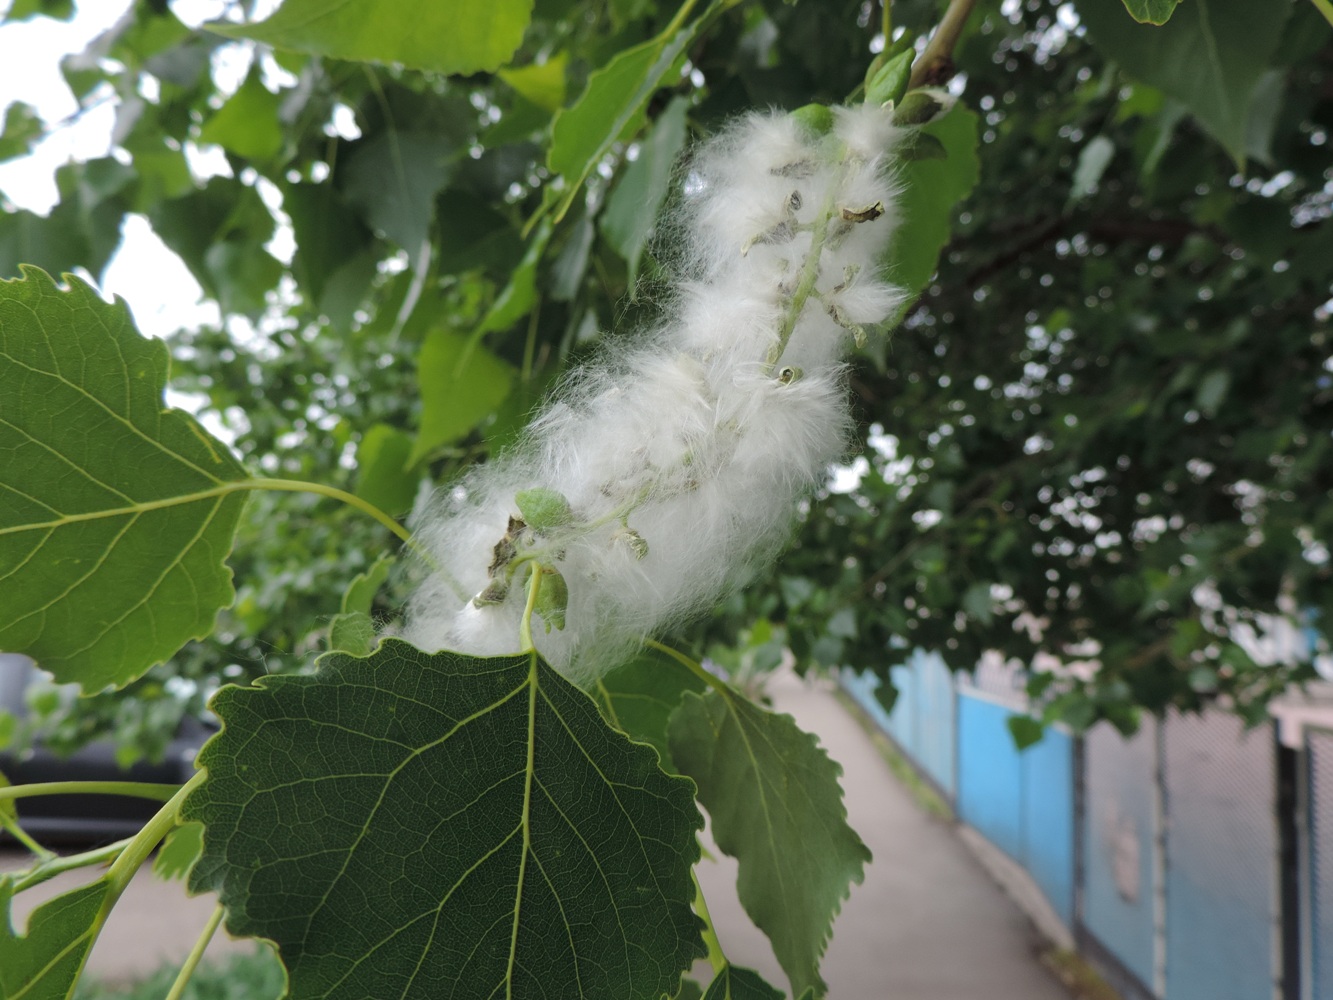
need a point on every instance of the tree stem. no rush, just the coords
(137, 789)
(50, 869)
(935, 65)
(196, 953)
(525, 626)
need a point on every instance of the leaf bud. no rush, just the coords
(543, 508)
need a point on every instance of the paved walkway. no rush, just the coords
(928, 923)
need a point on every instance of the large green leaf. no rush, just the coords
(460, 384)
(932, 190)
(1151, 11)
(115, 514)
(462, 36)
(1210, 56)
(639, 697)
(613, 107)
(776, 807)
(632, 208)
(431, 825)
(44, 962)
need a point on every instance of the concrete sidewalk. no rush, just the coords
(928, 922)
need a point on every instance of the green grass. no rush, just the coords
(258, 976)
(1081, 978)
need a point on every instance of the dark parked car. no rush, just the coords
(86, 819)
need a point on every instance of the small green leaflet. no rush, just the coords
(115, 514)
(776, 807)
(42, 963)
(462, 36)
(1151, 11)
(453, 826)
(179, 852)
(352, 630)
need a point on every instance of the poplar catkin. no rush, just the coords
(668, 472)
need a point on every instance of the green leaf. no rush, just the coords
(544, 508)
(541, 83)
(1093, 160)
(612, 107)
(932, 190)
(179, 852)
(353, 632)
(9, 810)
(247, 124)
(455, 827)
(83, 230)
(890, 81)
(460, 385)
(382, 475)
(1151, 11)
(736, 983)
(23, 126)
(518, 296)
(1025, 730)
(58, 10)
(1210, 56)
(219, 231)
(43, 963)
(1212, 390)
(776, 807)
(630, 212)
(392, 180)
(462, 36)
(115, 514)
(329, 235)
(552, 598)
(360, 593)
(639, 697)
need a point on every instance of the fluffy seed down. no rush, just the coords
(668, 472)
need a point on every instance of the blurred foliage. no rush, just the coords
(1103, 429)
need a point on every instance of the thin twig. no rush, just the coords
(935, 64)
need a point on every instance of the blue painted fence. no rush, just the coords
(1177, 871)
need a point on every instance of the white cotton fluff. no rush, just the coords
(684, 454)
